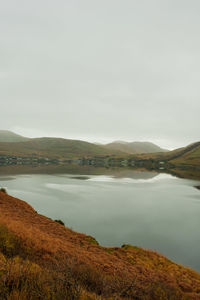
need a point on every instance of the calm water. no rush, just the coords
(150, 210)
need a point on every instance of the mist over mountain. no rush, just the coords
(9, 136)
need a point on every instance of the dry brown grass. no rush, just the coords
(110, 272)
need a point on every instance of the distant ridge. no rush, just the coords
(11, 137)
(14, 144)
(134, 147)
(54, 148)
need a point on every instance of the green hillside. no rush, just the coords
(189, 155)
(16, 145)
(9, 136)
(54, 148)
(134, 147)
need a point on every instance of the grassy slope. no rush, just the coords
(8, 136)
(135, 147)
(56, 147)
(191, 157)
(53, 147)
(128, 271)
(63, 148)
(188, 156)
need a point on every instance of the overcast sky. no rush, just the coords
(101, 70)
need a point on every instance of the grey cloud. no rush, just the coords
(101, 70)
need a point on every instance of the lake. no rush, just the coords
(146, 209)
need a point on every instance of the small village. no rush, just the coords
(97, 161)
(107, 161)
(18, 160)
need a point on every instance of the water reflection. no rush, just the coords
(6, 178)
(79, 177)
(197, 187)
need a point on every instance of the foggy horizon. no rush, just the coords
(94, 140)
(101, 71)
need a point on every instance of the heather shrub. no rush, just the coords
(10, 244)
(3, 190)
(60, 222)
(22, 279)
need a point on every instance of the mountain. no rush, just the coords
(54, 148)
(14, 144)
(9, 136)
(42, 259)
(134, 147)
(189, 155)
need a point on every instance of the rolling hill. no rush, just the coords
(54, 148)
(9, 136)
(42, 259)
(134, 147)
(59, 148)
(188, 156)
(16, 145)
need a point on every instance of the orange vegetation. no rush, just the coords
(129, 271)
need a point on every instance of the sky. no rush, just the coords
(101, 70)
